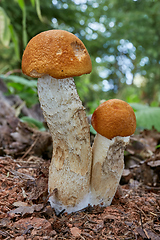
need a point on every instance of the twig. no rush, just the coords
(141, 211)
(13, 71)
(144, 231)
(86, 234)
(154, 214)
(22, 175)
(152, 188)
(31, 147)
(89, 220)
(5, 234)
(81, 236)
(26, 167)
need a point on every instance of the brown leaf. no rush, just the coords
(75, 231)
(20, 204)
(147, 234)
(37, 223)
(23, 210)
(154, 163)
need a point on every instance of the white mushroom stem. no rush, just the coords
(107, 168)
(70, 167)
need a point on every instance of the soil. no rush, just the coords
(25, 212)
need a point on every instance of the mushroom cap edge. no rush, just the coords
(57, 53)
(114, 118)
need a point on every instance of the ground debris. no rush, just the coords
(25, 213)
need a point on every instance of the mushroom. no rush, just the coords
(55, 57)
(114, 121)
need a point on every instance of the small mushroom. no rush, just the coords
(55, 57)
(114, 122)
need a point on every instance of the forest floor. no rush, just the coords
(25, 212)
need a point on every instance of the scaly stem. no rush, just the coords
(70, 167)
(107, 168)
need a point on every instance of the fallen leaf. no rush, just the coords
(75, 231)
(26, 209)
(20, 204)
(36, 223)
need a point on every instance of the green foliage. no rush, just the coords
(20, 80)
(147, 117)
(14, 38)
(4, 28)
(33, 123)
(27, 90)
(8, 28)
(92, 130)
(139, 107)
(21, 4)
(122, 38)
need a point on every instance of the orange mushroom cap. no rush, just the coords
(114, 118)
(57, 53)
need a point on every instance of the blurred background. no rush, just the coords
(122, 38)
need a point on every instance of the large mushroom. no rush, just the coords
(55, 57)
(114, 121)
